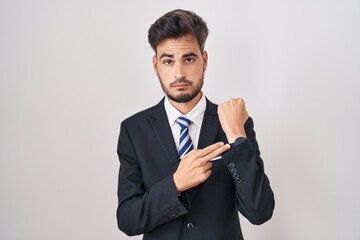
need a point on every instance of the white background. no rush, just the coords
(71, 71)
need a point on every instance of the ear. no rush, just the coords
(205, 59)
(155, 61)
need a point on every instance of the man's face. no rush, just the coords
(180, 65)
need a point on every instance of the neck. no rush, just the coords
(186, 107)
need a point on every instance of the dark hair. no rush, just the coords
(176, 24)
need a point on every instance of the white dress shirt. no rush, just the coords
(196, 116)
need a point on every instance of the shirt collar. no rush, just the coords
(195, 115)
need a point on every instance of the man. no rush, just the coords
(187, 166)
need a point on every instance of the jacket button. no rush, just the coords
(238, 179)
(233, 170)
(236, 175)
(190, 226)
(232, 165)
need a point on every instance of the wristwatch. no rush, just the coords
(237, 141)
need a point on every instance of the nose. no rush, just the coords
(179, 71)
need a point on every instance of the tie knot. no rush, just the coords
(183, 122)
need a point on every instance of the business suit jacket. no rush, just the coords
(148, 203)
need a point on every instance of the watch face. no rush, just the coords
(239, 140)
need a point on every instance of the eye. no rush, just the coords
(189, 60)
(168, 62)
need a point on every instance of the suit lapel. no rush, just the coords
(210, 126)
(162, 132)
(208, 133)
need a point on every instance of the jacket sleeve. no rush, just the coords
(139, 209)
(254, 198)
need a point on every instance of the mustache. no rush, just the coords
(181, 80)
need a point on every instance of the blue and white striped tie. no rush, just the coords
(185, 143)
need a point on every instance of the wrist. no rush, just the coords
(233, 133)
(237, 141)
(176, 184)
(232, 138)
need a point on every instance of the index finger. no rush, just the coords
(205, 151)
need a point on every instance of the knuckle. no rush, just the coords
(197, 164)
(203, 177)
(187, 157)
(194, 151)
(201, 171)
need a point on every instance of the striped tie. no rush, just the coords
(185, 143)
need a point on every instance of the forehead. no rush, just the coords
(178, 45)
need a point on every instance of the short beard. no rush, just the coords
(183, 97)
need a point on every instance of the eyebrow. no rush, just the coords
(191, 54)
(166, 55)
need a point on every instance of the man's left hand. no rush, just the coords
(233, 115)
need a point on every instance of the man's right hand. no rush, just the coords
(194, 167)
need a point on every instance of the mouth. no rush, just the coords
(181, 85)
